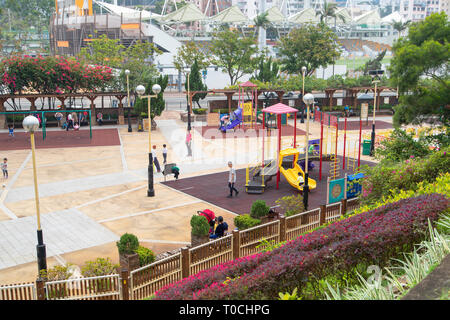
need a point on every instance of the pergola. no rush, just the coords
(279, 109)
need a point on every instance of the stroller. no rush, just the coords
(210, 216)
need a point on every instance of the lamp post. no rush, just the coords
(140, 89)
(308, 99)
(31, 124)
(303, 92)
(375, 74)
(127, 73)
(189, 103)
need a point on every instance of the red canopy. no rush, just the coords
(279, 108)
(247, 84)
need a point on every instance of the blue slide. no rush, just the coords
(236, 119)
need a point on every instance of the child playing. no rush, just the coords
(164, 152)
(4, 167)
(11, 130)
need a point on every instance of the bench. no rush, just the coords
(168, 169)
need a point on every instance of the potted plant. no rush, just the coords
(199, 230)
(127, 245)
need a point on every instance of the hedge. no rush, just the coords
(372, 237)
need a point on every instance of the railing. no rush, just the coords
(147, 280)
(333, 212)
(251, 238)
(92, 288)
(301, 223)
(21, 291)
(211, 254)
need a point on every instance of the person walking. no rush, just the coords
(188, 143)
(231, 180)
(155, 159)
(164, 153)
(69, 122)
(4, 167)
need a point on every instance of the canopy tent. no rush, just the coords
(369, 18)
(393, 17)
(304, 16)
(279, 109)
(128, 12)
(274, 15)
(188, 13)
(230, 15)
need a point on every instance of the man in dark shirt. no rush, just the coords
(220, 229)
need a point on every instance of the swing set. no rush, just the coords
(41, 115)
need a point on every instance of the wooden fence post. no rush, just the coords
(343, 206)
(185, 263)
(124, 283)
(40, 289)
(236, 244)
(282, 228)
(323, 210)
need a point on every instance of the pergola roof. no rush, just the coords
(369, 18)
(188, 13)
(247, 84)
(275, 15)
(231, 14)
(279, 108)
(304, 16)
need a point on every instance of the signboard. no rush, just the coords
(247, 109)
(364, 110)
(336, 190)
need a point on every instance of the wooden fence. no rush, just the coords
(145, 281)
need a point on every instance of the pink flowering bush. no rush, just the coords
(373, 237)
(52, 75)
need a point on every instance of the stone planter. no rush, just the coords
(129, 261)
(198, 240)
(194, 117)
(145, 124)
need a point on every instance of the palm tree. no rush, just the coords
(262, 23)
(329, 10)
(400, 26)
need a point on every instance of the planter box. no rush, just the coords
(194, 117)
(129, 261)
(198, 240)
(145, 124)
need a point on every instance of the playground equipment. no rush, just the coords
(260, 176)
(249, 107)
(42, 117)
(295, 176)
(234, 120)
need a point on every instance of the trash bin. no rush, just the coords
(366, 147)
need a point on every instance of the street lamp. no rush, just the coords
(140, 89)
(189, 102)
(308, 99)
(375, 74)
(303, 92)
(31, 124)
(127, 73)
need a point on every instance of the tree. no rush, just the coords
(328, 10)
(310, 46)
(373, 64)
(400, 26)
(233, 53)
(420, 67)
(187, 54)
(158, 104)
(196, 84)
(262, 23)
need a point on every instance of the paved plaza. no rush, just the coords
(91, 195)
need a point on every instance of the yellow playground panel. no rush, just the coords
(295, 176)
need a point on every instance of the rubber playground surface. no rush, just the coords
(61, 139)
(213, 132)
(213, 188)
(354, 125)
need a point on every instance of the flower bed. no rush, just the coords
(372, 237)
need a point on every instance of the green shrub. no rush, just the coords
(291, 204)
(199, 111)
(99, 267)
(259, 209)
(245, 221)
(223, 110)
(57, 273)
(146, 256)
(128, 244)
(199, 225)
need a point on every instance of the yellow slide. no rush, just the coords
(294, 175)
